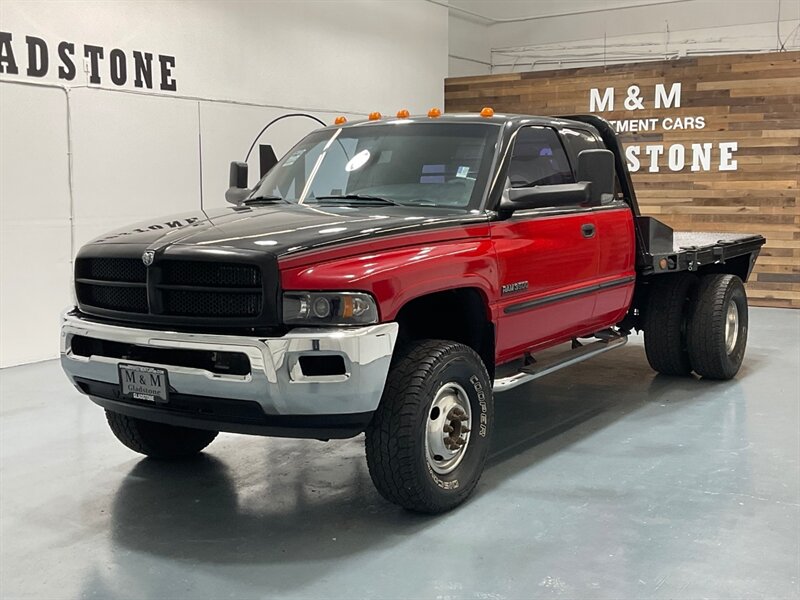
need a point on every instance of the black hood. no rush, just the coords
(284, 228)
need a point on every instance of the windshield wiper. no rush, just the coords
(265, 199)
(358, 198)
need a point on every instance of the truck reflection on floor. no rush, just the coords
(296, 503)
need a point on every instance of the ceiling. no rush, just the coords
(500, 10)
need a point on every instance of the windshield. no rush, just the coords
(415, 164)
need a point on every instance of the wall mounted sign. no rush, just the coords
(678, 156)
(37, 58)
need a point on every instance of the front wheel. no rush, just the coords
(158, 440)
(428, 440)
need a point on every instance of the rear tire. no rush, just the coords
(717, 329)
(158, 440)
(665, 322)
(427, 443)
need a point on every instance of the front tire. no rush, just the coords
(717, 329)
(427, 443)
(158, 440)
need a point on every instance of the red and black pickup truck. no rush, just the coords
(388, 277)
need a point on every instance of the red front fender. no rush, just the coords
(398, 275)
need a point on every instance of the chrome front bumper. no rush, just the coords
(275, 381)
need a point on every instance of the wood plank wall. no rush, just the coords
(752, 99)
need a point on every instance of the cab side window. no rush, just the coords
(580, 139)
(538, 158)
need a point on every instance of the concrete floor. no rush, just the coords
(605, 481)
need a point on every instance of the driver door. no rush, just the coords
(547, 258)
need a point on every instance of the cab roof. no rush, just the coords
(512, 121)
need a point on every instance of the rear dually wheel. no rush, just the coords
(665, 323)
(717, 326)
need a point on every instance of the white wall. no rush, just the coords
(137, 155)
(469, 47)
(34, 221)
(537, 35)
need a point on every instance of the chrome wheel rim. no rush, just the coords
(447, 428)
(731, 326)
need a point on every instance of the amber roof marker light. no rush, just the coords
(434, 113)
(403, 113)
(341, 120)
(375, 116)
(487, 112)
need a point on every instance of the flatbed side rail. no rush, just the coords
(686, 256)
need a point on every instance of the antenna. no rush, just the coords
(275, 120)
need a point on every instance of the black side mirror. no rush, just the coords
(237, 181)
(597, 166)
(546, 196)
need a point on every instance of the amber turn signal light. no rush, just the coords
(340, 120)
(434, 112)
(347, 307)
(487, 111)
(374, 116)
(402, 113)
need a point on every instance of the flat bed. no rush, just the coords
(664, 250)
(691, 240)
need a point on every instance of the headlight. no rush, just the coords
(329, 308)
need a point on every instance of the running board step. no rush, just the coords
(545, 367)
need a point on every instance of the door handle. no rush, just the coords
(588, 230)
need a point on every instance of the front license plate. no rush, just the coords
(143, 383)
